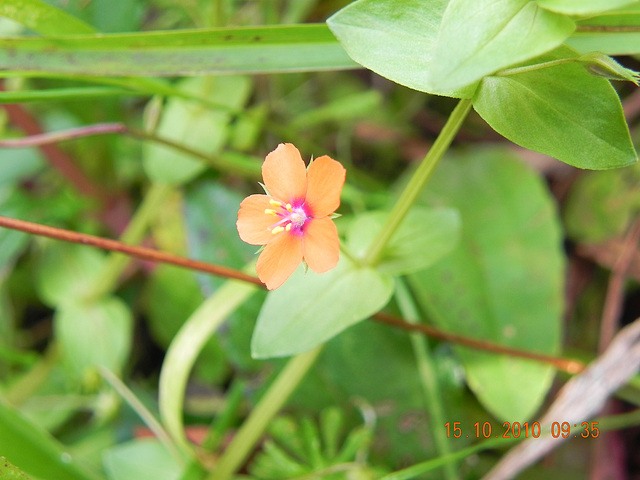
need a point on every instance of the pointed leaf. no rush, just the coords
(504, 280)
(310, 308)
(561, 111)
(444, 47)
(479, 38)
(423, 238)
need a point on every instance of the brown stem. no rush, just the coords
(570, 366)
(42, 139)
(57, 157)
(133, 250)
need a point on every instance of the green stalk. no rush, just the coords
(183, 352)
(418, 181)
(428, 378)
(134, 234)
(253, 428)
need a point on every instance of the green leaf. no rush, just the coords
(43, 18)
(443, 47)
(582, 7)
(146, 458)
(615, 33)
(179, 53)
(424, 237)
(561, 111)
(310, 308)
(344, 372)
(37, 453)
(195, 126)
(93, 334)
(504, 280)
(65, 271)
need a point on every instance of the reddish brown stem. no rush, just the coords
(571, 366)
(57, 157)
(132, 250)
(567, 365)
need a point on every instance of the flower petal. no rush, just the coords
(285, 174)
(279, 259)
(321, 244)
(252, 222)
(325, 179)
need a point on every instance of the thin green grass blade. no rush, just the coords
(293, 48)
(60, 94)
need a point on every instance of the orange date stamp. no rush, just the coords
(522, 430)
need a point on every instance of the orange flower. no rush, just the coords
(293, 220)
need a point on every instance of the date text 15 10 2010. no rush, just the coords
(525, 430)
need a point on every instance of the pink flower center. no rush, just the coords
(292, 217)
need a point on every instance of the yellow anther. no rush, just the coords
(270, 211)
(288, 207)
(288, 227)
(275, 230)
(275, 203)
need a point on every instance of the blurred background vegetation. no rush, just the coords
(361, 403)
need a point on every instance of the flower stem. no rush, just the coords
(418, 181)
(428, 378)
(253, 428)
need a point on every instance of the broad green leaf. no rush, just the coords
(375, 362)
(43, 18)
(92, 334)
(583, 7)
(394, 39)
(614, 33)
(66, 272)
(310, 308)
(424, 237)
(138, 459)
(443, 47)
(602, 204)
(479, 38)
(561, 111)
(180, 53)
(195, 126)
(504, 280)
(33, 450)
